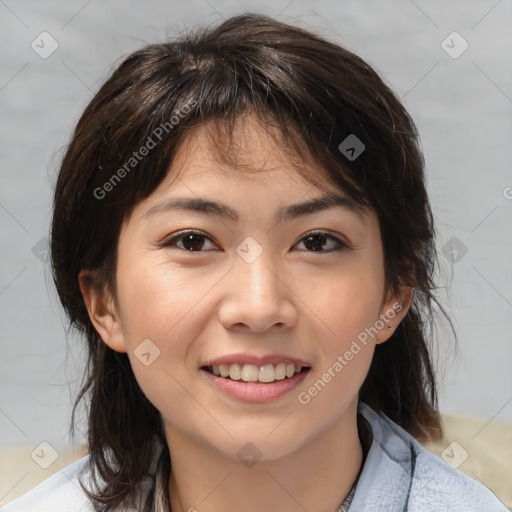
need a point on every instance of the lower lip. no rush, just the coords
(256, 392)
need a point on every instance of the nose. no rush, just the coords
(257, 297)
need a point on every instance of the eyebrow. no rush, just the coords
(289, 212)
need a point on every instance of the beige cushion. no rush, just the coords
(22, 467)
(480, 449)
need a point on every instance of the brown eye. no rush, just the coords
(322, 242)
(193, 242)
(190, 241)
(315, 242)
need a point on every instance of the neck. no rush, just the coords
(316, 476)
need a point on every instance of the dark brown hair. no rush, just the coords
(313, 94)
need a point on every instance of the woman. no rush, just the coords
(242, 233)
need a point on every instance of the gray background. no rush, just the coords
(462, 107)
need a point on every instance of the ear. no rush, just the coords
(393, 311)
(101, 309)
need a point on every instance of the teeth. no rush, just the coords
(280, 372)
(249, 373)
(235, 372)
(254, 373)
(266, 373)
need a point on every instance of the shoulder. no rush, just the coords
(436, 484)
(399, 474)
(61, 491)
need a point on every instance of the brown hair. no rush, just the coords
(314, 94)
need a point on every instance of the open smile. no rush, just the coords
(256, 384)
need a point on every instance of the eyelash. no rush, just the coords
(341, 246)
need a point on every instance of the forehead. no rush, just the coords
(248, 146)
(220, 169)
(212, 169)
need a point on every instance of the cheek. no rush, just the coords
(161, 311)
(349, 302)
(346, 359)
(348, 306)
(156, 298)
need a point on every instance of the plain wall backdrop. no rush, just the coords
(457, 87)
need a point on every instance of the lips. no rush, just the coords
(257, 360)
(255, 392)
(256, 378)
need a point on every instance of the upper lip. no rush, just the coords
(257, 360)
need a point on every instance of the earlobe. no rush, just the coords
(101, 310)
(393, 312)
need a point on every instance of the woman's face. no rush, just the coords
(263, 286)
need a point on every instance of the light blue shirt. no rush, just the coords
(398, 476)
